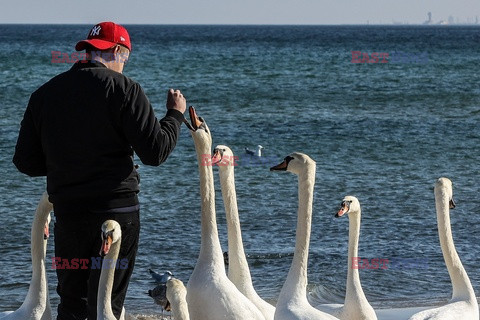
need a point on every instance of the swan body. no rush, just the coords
(238, 270)
(463, 304)
(210, 294)
(36, 305)
(111, 240)
(177, 296)
(356, 306)
(292, 303)
(398, 313)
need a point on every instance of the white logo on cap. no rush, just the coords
(122, 38)
(95, 31)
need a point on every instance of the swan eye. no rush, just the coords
(108, 233)
(346, 203)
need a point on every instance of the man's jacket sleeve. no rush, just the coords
(152, 140)
(29, 157)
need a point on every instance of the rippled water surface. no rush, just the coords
(383, 132)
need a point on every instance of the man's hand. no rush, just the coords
(176, 100)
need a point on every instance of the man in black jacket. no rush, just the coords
(80, 130)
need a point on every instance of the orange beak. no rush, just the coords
(217, 156)
(194, 119)
(343, 209)
(46, 232)
(106, 244)
(280, 167)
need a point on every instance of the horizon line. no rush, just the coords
(248, 24)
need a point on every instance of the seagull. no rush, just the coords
(159, 295)
(252, 153)
(161, 278)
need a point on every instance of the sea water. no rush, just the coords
(382, 124)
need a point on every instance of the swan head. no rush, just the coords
(164, 294)
(295, 162)
(175, 290)
(350, 205)
(223, 155)
(198, 127)
(46, 231)
(43, 212)
(446, 186)
(111, 233)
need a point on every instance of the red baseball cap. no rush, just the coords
(105, 35)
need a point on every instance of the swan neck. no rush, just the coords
(104, 298)
(180, 309)
(354, 287)
(38, 291)
(297, 276)
(462, 288)
(238, 270)
(210, 244)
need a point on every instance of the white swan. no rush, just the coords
(292, 302)
(210, 294)
(238, 271)
(36, 305)
(177, 296)
(111, 240)
(356, 306)
(463, 304)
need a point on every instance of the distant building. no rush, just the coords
(429, 21)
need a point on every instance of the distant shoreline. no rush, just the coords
(258, 25)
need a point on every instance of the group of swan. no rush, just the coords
(209, 285)
(36, 305)
(238, 270)
(211, 294)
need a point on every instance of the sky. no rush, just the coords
(238, 11)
